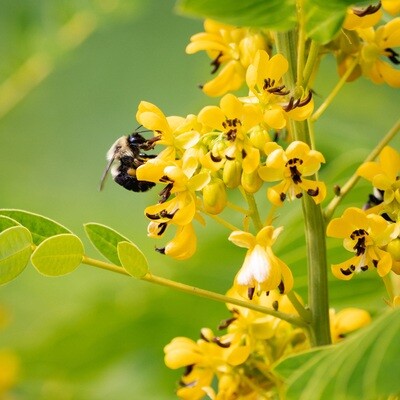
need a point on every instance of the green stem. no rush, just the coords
(331, 207)
(318, 301)
(254, 214)
(335, 91)
(302, 311)
(292, 319)
(312, 61)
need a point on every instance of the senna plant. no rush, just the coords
(261, 137)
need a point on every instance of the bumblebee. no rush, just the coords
(124, 157)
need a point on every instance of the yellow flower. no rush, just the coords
(366, 236)
(264, 79)
(230, 48)
(378, 57)
(346, 321)
(291, 167)
(384, 175)
(261, 271)
(201, 359)
(181, 182)
(233, 120)
(177, 132)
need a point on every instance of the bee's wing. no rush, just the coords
(105, 173)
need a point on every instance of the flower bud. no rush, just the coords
(232, 173)
(214, 196)
(251, 182)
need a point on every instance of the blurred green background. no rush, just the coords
(92, 335)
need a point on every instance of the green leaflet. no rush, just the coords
(132, 259)
(58, 255)
(105, 240)
(6, 222)
(271, 14)
(322, 24)
(39, 226)
(364, 366)
(15, 250)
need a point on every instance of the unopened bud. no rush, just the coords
(214, 196)
(232, 173)
(251, 182)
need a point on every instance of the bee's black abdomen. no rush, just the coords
(131, 183)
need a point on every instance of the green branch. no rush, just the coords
(292, 319)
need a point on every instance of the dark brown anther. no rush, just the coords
(282, 197)
(225, 323)
(375, 263)
(244, 154)
(229, 158)
(364, 268)
(218, 342)
(275, 305)
(299, 195)
(202, 336)
(371, 9)
(188, 370)
(278, 90)
(306, 100)
(216, 63)
(337, 190)
(289, 106)
(215, 158)
(165, 193)
(250, 292)
(393, 56)
(281, 287)
(346, 272)
(313, 192)
(161, 228)
(160, 250)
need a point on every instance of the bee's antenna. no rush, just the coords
(143, 131)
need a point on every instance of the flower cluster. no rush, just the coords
(242, 358)
(369, 47)
(226, 147)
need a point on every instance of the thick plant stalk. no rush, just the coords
(313, 216)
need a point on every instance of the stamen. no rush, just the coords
(225, 323)
(371, 9)
(160, 250)
(216, 63)
(281, 287)
(218, 342)
(250, 292)
(393, 56)
(313, 192)
(348, 271)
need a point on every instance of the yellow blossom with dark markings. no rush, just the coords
(365, 235)
(379, 56)
(231, 49)
(291, 167)
(278, 104)
(384, 176)
(262, 270)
